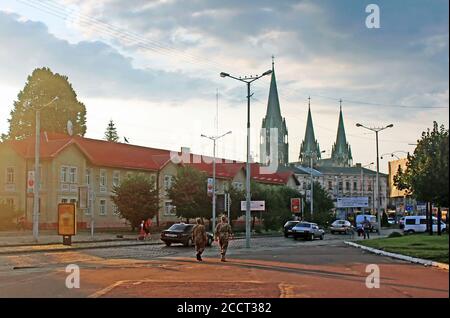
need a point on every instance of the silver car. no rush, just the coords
(307, 230)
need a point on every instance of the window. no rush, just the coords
(73, 201)
(73, 175)
(64, 174)
(10, 202)
(9, 175)
(116, 178)
(115, 209)
(355, 185)
(64, 200)
(103, 207)
(87, 177)
(347, 186)
(410, 221)
(169, 208)
(103, 180)
(167, 182)
(129, 175)
(237, 185)
(340, 186)
(330, 185)
(423, 221)
(369, 188)
(153, 181)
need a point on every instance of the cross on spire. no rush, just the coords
(340, 104)
(273, 58)
(309, 101)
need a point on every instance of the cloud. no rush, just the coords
(95, 68)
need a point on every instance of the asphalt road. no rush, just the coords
(273, 267)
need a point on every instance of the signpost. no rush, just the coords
(210, 186)
(67, 222)
(254, 205)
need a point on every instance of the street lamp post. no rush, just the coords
(214, 138)
(36, 170)
(377, 193)
(312, 181)
(362, 180)
(247, 80)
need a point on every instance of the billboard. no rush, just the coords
(296, 205)
(353, 202)
(67, 219)
(254, 205)
(210, 186)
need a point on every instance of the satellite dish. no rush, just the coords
(69, 128)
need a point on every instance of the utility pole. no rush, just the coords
(247, 80)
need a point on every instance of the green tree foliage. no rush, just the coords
(111, 132)
(136, 198)
(322, 207)
(236, 196)
(189, 194)
(427, 171)
(43, 86)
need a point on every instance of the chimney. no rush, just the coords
(358, 165)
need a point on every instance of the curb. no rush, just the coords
(69, 249)
(410, 259)
(57, 243)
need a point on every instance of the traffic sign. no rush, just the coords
(254, 205)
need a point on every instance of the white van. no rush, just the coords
(418, 224)
(372, 219)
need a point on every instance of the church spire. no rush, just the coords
(310, 146)
(341, 154)
(274, 120)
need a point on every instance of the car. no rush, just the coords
(287, 228)
(372, 219)
(340, 226)
(391, 221)
(418, 224)
(307, 230)
(182, 233)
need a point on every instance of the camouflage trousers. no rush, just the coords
(223, 243)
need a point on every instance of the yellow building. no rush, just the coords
(66, 163)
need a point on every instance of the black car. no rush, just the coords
(182, 233)
(287, 229)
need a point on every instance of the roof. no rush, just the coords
(281, 176)
(309, 145)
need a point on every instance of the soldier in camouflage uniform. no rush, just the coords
(223, 234)
(199, 237)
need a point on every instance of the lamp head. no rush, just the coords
(267, 73)
(358, 125)
(390, 126)
(223, 74)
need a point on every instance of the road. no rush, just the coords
(273, 267)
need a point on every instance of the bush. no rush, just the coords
(395, 234)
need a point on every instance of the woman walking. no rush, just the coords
(200, 238)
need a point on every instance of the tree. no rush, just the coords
(322, 207)
(111, 132)
(43, 86)
(236, 196)
(136, 199)
(189, 194)
(427, 176)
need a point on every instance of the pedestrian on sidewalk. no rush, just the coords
(223, 234)
(147, 225)
(199, 237)
(142, 234)
(366, 227)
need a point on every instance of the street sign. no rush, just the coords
(30, 181)
(353, 202)
(210, 186)
(254, 205)
(295, 205)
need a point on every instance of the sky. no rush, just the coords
(153, 68)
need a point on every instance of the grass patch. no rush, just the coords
(418, 245)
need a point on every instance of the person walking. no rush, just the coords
(147, 225)
(200, 239)
(223, 234)
(366, 227)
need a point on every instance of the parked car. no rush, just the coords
(182, 233)
(372, 219)
(287, 228)
(307, 230)
(418, 224)
(391, 221)
(340, 226)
